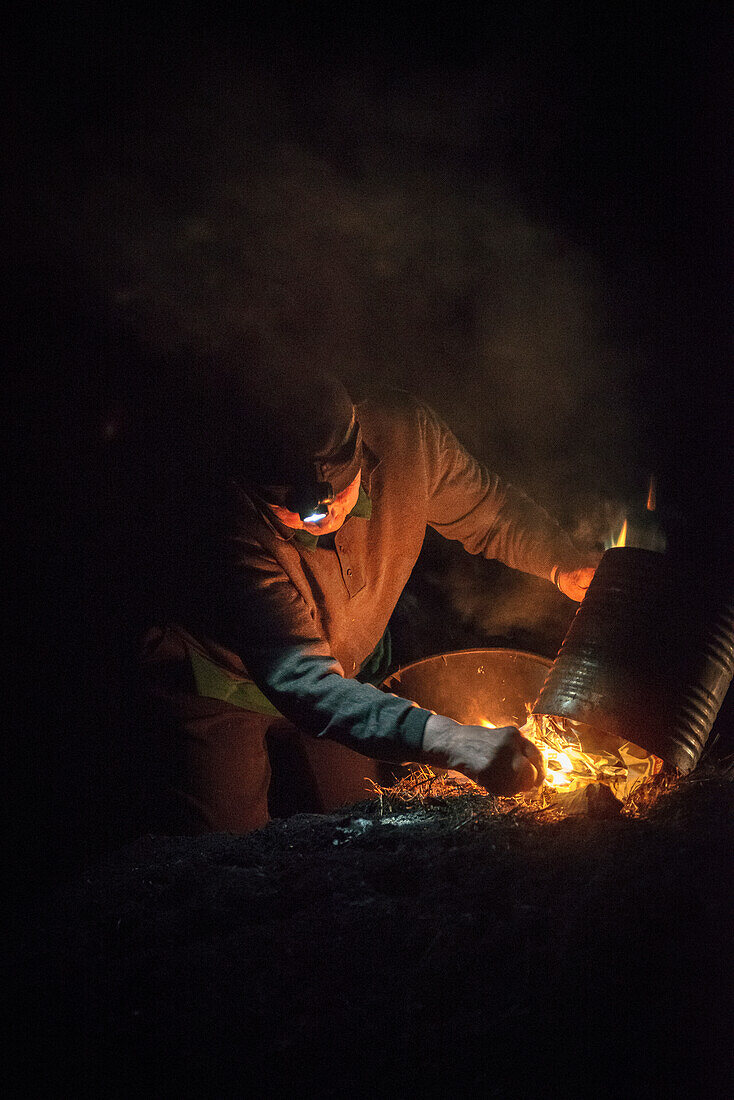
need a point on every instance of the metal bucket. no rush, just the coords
(648, 657)
(498, 685)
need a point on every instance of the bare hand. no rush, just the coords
(500, 760)
(575, 582)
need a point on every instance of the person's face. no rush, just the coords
(338, 511)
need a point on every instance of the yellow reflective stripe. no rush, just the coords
(214, 683)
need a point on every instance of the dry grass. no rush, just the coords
(426, 787)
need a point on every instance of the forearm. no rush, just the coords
(438, 746)
(525, 536)
(311, 692)
(486, 514)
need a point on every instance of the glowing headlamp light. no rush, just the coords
(312, 504)
(315, 517)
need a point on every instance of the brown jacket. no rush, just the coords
(300, 622)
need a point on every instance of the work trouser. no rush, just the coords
(223, 768)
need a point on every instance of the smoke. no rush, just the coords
(371, 230)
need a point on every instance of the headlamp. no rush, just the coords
(314, 489)
(312, 502)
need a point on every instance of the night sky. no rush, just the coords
(522, 219)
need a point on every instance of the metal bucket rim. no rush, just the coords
(547, 661)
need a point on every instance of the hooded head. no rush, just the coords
(303, 445)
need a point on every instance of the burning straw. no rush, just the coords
(426, 787)
(586, 773)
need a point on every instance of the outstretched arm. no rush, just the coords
(492, 518)
(290, 661)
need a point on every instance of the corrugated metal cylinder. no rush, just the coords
(648, 657)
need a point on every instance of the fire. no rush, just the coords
(624, 768)
(569, 767)
(651, 494)
(561, 771)
(622, 537)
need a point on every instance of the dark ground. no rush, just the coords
(412, 953)
(525, 223)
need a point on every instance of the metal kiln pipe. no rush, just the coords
(648, 656)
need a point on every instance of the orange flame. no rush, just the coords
(561, 772)
(569, 768)
(622, 537)
(651, 494)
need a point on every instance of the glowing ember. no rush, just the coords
(651, 494)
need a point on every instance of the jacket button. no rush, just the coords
(349, 572)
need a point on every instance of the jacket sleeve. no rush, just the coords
(488, 516)
(285, 652)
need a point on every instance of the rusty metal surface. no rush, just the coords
(648, 656)
(471, 684)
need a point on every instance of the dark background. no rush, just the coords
(522, 219)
